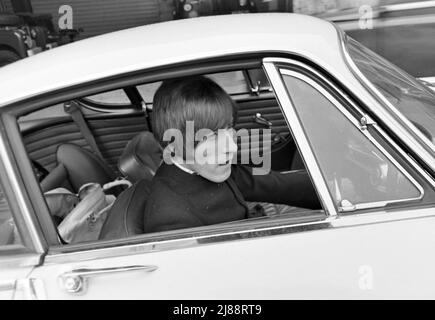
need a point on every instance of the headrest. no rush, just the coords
(141, 158)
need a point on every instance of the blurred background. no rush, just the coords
(403, 31)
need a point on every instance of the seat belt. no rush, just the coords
(74, 110)
(76, 114)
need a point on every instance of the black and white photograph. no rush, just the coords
(217, 154)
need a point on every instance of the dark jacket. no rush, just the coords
(182, 200)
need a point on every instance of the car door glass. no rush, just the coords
(8, 231)
(358, 173)
(233, 82)
(147, 91)
(115, 97)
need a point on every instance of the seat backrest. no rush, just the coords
(76, 166)
(140, 158)
(126, 217)
(138, 163)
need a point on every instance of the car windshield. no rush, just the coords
(413, 99)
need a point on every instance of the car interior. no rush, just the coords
(107, 137)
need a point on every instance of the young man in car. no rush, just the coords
(197, 184)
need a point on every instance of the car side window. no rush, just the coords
(239, 83)
(8, 230)
(147, 91)
(112, 98)
(358, 172)
(233, 82)
(115, 97)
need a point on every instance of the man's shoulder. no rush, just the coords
(163, 194)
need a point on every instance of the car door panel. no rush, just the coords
(283, 148)
(380, 262)
(8, 281)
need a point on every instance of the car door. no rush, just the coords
(354, 259)
(370, 240)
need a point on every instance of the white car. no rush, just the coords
(363, 130)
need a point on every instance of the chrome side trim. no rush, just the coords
(359, 219)
(382, 113)
(7, 285)
(366, 133)
(301, 140)
(185, 241)
(19, 260)
(22, 205)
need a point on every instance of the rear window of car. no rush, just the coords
(235, 83)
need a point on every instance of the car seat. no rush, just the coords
(139, 162)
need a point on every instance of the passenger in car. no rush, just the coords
(200, 186)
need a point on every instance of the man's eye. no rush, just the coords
(209, 136)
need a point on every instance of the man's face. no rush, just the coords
(214, 154)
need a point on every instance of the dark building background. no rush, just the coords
(102, 16)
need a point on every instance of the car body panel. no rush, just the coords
(14, 275)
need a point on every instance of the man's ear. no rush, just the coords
(171, 147)
(169, 153)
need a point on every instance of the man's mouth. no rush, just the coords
(225, 163)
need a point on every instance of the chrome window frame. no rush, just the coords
(23, 206)
(365, 132)
(374, 125)
(384, 109)
(31, 248)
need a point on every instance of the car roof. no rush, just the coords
(167, 43)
